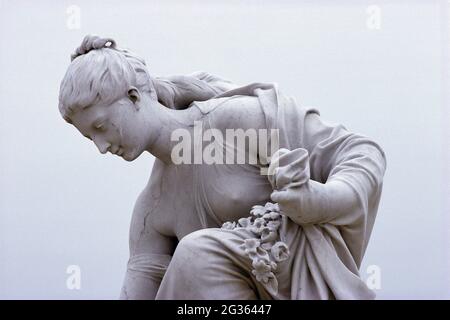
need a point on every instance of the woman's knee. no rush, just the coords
(203, 267)
(195, 245)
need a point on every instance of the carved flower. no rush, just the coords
(280, 251)
(271, 207)
(266, 216)
(250, 246)
(257, 211)
(274, 215)
(244, 222)
(261, 270)
(267, 235)
(267, 246)
(273, 225)
(258, 225)
(229, 225)
(262, 255)
(273, 265)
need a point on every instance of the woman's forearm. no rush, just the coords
(341, 200)
(178, 92)
(316, 203)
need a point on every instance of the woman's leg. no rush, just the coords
(206, 265)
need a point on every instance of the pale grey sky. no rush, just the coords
(386, 83)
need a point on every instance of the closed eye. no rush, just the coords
(99, 126)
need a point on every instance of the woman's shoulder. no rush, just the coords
(239, 111)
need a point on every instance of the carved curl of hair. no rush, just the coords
(92, 42)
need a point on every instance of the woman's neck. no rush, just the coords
(167, 121)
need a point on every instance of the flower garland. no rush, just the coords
(266, 249)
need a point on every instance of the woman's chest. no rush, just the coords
(193, 197)
(230, 191)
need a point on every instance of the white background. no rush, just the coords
(62, 203)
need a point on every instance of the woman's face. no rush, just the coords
(119, 127)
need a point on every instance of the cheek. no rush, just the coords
(114, 134)
(128, 128)
(128, 137)
(135, 131)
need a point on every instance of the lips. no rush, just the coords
(117, 151)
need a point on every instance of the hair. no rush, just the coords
(100, 71)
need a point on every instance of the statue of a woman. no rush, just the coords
(223, 230)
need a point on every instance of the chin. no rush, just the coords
(130, 156)
(126, 157)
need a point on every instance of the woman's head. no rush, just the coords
(103, 94)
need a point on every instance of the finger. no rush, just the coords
(103, 43)
(83, 48)
(279, 196)
(88, 46)
(84, 43)
(275, 160)
(98, 43)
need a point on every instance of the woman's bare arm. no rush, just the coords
(150, 250)
(351, 167)
(179, 91)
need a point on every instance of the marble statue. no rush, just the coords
(225, 230)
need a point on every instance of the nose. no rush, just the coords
(102, 146)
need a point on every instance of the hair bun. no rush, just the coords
(92, 42)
